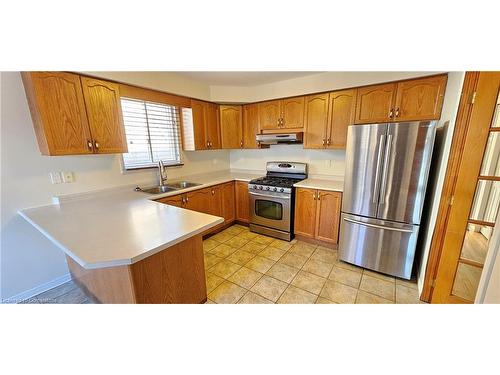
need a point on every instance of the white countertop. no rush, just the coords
(120, 226)
(321, 184)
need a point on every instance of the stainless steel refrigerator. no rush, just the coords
(387, 167)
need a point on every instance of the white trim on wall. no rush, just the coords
(23, 296)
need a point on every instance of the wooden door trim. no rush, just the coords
(455, 156)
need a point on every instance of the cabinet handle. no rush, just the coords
(241, 143)
(187, 199)
(328, 142)
(391, 113)
(213, 192)
(319, 196)
(89, 144)
(314, 196)
(324, 141)
(397, 112)
(96, 145)
(182, 200)
(282, 122)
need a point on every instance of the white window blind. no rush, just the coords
(153, 133)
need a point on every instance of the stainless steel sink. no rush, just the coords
(176, 186)
(158, 189)
(182, 185)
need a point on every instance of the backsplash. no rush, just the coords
(320, 162)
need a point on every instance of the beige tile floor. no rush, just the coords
(245, 267)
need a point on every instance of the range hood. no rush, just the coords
(274, 139)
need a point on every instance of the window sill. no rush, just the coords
(138, 169)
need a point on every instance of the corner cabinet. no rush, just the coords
(231, 126)
(202, 130)
(74, 115)
(317, 214)
(410, 100)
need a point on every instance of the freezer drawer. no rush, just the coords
(379, 245)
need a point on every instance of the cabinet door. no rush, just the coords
(293, 112)
(270, 114)
(341, 115)
(250, 125)
(176, 200)
(375, 104)
(212, 125)
(199, 200)
(328, 216)
(198, 125)
(316, 119)
(58, 112)
(242, 201)
(420, 99)
(305, 212)
(102, 101)
(228, 202)
(231, 126)
(215, 202)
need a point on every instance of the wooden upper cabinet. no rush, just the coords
(292, 113)
(342, 108)
(228, 206)
(195, 133)
(104, 115)
(250, 125)
(420, 99)
(270, 114)
(328, 215)
(212, 124)
(242, 201)
(374, 103)
(316, 120)
(305, 212)
(58, 111)
(231, 126)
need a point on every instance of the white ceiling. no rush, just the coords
(242, 78)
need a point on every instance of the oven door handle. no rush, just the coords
(270, 196)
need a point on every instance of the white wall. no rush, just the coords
(28, 258)
(305, 85)
(163, 81)
(320, 162)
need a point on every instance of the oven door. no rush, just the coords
(271, 210)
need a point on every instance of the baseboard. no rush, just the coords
(23, 296)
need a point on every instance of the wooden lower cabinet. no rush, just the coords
(173, 275)
(217, 200)
(305, 212)
(228, 206)
(242, 201)
(317, 214)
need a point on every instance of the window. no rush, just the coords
(153, 133)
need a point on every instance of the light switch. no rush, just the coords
(55, 177)
(68, 177)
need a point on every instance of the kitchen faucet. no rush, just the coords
(162, 173)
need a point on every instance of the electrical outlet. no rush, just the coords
(55, 177)
(68, 177)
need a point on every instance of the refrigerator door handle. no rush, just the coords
(377, 226)
(383, 185)
(376, 188)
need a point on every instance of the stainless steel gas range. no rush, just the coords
(272, 199)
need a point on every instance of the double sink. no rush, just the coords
(167, 188)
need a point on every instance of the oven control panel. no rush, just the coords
(270, 189)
